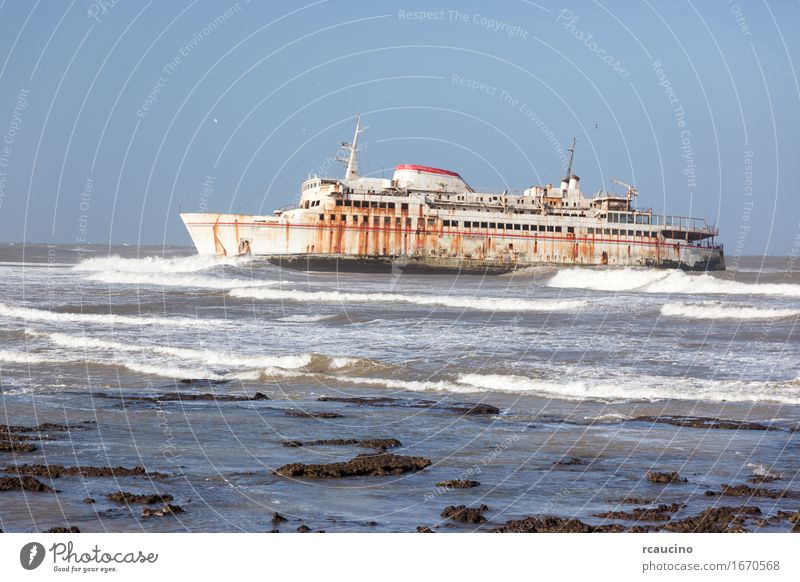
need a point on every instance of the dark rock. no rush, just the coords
(24, 483)
(303, 529)
(474, 409)
(758, 479)
(191, 397)
(14, 446)
(55, 471)
(369, 443)
(359, 399)
(424, 529)
(61, 529)
(46, 427)
(660, 513)
(310, 414)
(704, 422)
(372, 464)
(747, 491)
(549, 524)
(167, 509)
(715, 520)
(88, 500)
(570, 462)
(632, 501)
(465, 514)
(458, 484)
(668, 477)
(277, 518)
(126, 498)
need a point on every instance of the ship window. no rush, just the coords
(382, 205)
(373, 204)
(509, 226)
(484, 225)
(630, 233)
(386, 220)
(431, 221)
(408, 221)
(525, 227)
(397, 220)
(339, 202)
(571, 229)
(492, 225)
(615, 231)
(607, 231)
(558, 229)
(550, 229)
(517, 227)
(404, 206)
(590, 231)
(445, 223)
(454, 223)
(348, 202)
(357, 203)
(391, 204)
(333, 217)
(322, 217)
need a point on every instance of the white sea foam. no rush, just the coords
(171, 280)
(188, 264)
(664, 281)
(638, 389)
(304, 318)
(477, 303)
(648, 389)
(711, 310)
(15, 357)
(210, 357)
(45, 316)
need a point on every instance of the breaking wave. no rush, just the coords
(253, 366)
(647, 389)
(305, 318)
(480, 304)
(170, 280)
(150, 265)
(13, 357)
(664, 281)
(639, 389)
(45, 316)
(712, 310)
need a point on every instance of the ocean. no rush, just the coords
(592, 378)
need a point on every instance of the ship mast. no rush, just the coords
(571, 151)
(351, 173)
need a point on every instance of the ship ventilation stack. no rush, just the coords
(573, 182)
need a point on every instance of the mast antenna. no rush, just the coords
(351, 173)
(571, 151)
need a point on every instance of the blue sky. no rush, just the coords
(113, 115)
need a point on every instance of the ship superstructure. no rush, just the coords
(430, 219)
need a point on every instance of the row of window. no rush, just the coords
(622, 232)
(370, 204)
(626, 218)
(355, 219)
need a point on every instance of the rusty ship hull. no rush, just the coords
(430, 220)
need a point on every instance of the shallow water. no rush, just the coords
(568, 355)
